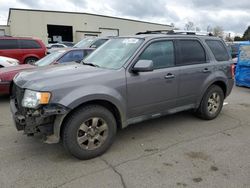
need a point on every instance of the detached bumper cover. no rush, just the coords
(39, 120)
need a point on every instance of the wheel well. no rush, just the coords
(30, 57)
(110, 106)
(222, 85)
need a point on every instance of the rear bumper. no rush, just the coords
(230, 86)
(5, 87)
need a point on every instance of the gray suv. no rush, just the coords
(126, 81)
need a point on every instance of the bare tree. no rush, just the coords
(189, 26)
(218, 31)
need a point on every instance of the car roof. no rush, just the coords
(25, 38)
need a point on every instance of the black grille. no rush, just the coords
(17, 95)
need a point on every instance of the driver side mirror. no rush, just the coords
(143, 66)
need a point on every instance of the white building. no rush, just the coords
(51, 26)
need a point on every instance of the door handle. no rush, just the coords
(206, 70)
(169, 76)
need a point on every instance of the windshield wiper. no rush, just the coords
(90, 64)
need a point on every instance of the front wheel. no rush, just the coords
(89, 132)
(211, 104)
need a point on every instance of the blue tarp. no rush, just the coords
(243, 66)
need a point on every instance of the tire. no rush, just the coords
(211, 104)
(30, 60)
(82, 135)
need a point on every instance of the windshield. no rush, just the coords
(114, 53)
(47, 60)
(85, 43)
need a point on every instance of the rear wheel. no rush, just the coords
(89, 132)
(211, 103)
(30, 60)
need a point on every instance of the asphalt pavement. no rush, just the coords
(174, 151)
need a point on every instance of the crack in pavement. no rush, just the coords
(116, 171)
(178, 143)
(85, 175)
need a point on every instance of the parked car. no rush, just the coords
(8, 62)
(234, 48)
(125, 81)
(91, 42)
(56, 45)
(59, 57)
(68, 44)
(25, 50)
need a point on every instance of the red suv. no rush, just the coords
(26, 50)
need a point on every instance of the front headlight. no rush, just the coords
(32, 99)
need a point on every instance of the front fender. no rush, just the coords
(90, 93)
(86, 94)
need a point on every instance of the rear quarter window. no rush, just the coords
(218, 49)
(7, 44)
(29, 44)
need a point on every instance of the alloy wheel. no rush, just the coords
(92, 133)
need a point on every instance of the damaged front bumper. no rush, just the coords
(43, 120)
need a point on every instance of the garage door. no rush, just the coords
(109, 32)
(2, 33)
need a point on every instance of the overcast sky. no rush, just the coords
(232, 15)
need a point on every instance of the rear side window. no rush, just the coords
(6, 44)
(191, 52)
(75, 55)
(218, 49)
(161, 53)
(29, 44)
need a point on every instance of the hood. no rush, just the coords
(9, 73)
(55, 76)
(2, 58)
(18, 68)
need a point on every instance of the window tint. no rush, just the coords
(161, 53)
(98, 43)
(75, 55)
(8, 44)
(218, 49)
(191, 52)
(29, 44)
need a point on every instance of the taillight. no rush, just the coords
(233, 70)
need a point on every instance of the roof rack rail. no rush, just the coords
(153, 32)
(171, 32)
(190, 32)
